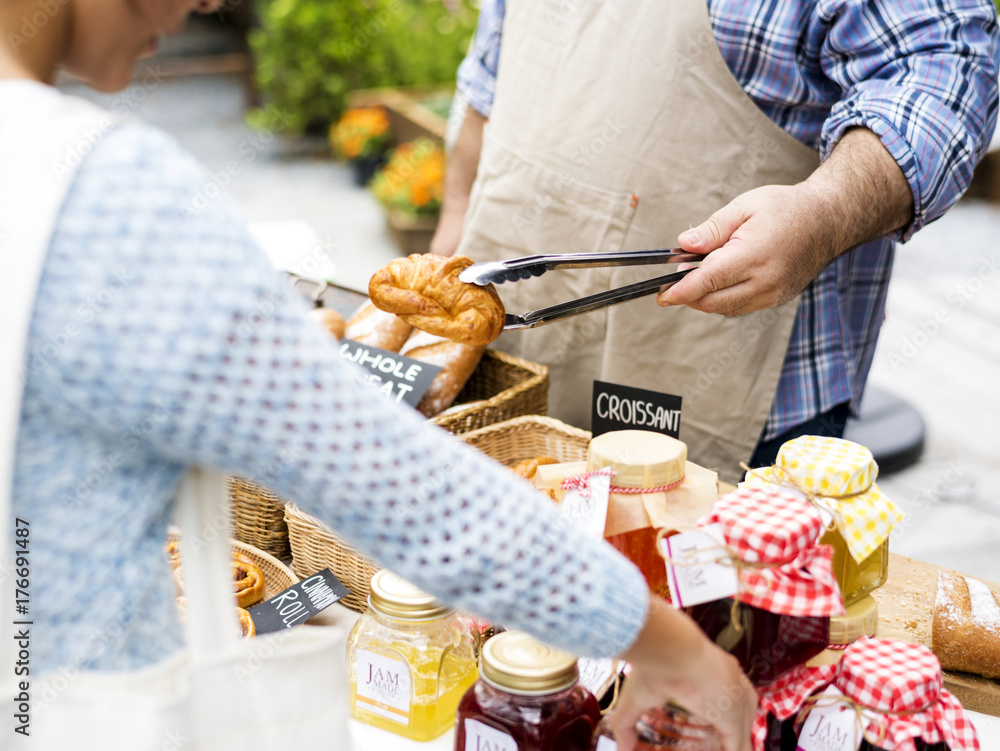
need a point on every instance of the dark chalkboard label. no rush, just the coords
(618, 407)
(399, 378)
(298, 603)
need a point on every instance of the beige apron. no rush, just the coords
(617, 125)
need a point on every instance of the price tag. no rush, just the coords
(697, 576)
(398, 378)
(298, 603)
(618, 407)
(587, 507)
(481, 737)
(831, 726)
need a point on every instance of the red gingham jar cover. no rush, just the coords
(780, 527)
(903, 682)
(785, 696)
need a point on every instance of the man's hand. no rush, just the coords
(672, 660)
(770, 242)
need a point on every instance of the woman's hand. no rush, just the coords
(672, 660)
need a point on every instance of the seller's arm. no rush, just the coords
(899, 148)
(476, 82)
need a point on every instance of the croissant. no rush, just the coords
(425, 291)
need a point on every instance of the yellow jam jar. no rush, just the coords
(838, 476)
(410, 659)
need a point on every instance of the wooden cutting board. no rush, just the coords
(906, 603)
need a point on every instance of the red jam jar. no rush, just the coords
(527, 698)
(766, 644)
(668, 727)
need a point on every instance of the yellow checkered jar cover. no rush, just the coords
(840, 477)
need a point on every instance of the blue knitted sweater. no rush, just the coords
(162, 337)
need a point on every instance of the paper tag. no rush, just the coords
(700, 579)
(606, 744)
(588, 507)
(831, 726)
(398, 378)
(595, 673)
(617, 407)
(383, 686)
(298, 603)
(480, 737)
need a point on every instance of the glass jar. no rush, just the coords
(857, 579)
(410, 659)
(766, 644)
(527, 699)
(861, 619)
(668, 727)
(641, 460)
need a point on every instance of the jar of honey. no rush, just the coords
(528, 698)
(653, 487)
(410, 659)
(839, 477)
(668, 727)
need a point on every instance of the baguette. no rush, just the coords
(457, 360)
(966, 631)
(375, 328)
(329, 319)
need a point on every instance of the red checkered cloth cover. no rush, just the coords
(904, 681)
(781, 527)
(784, 697)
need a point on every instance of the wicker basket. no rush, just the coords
(277, 576)
(316, 547)
(259, 517)
(502, 387)
(521, 438)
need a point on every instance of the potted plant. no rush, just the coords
(410, 188)
(361, 137)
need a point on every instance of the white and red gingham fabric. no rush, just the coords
(776, 526)
(785, 696)
(903, 682)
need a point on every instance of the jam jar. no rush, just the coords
(668, 727)
(857, 579)
(410, 659)
(528, 698)
(766, 644)
(650, 469)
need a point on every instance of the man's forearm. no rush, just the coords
(463, 164)
(864, 188)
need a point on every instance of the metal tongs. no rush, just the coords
(498, 272)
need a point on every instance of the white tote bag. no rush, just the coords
(285, 690)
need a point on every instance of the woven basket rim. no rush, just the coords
(527, 422)
(539, 374)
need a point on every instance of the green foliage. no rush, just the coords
(310, 53)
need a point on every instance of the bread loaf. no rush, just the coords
(375, 328)
(966, 631)
(329, 319)
(457, 360)
(425, 291)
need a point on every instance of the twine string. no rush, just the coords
(581, 483)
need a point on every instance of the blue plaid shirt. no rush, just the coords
(921, 74)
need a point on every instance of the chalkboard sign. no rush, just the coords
(298, 603)
(399, 378)
(618, 407)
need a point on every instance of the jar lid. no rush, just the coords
(397, 598)
(640, 458)
(518, 663)
(861, 620)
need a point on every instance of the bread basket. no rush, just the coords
(501, 387)
(315, 546)
(277, 576)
